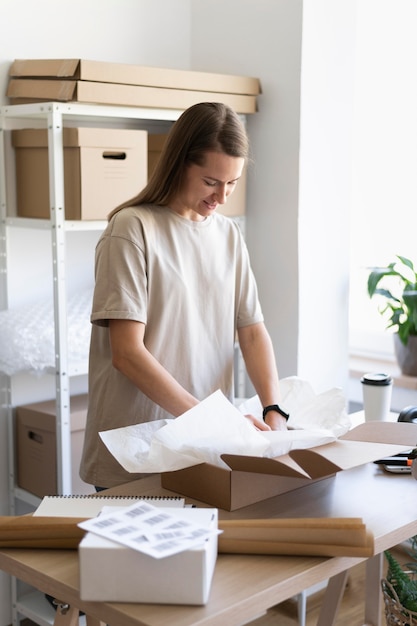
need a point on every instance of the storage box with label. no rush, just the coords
(36, 446)
(236, 203)
(103, 167)
(252, 479)
(183, 578)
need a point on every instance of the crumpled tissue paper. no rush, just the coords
(215, 427)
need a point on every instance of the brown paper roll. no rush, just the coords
(304, 536)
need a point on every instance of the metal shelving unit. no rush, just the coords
(54, 116)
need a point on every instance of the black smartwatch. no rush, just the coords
(277, 408)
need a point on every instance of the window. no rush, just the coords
(384, 184)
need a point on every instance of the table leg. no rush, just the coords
(373, 599)
(332, 598)
(93, 621)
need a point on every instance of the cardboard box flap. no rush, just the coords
(315, 464)
(363, 444)
(80, 69)
(285, 466)
(342, 455)
(400, 433)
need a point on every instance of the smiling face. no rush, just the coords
(208, 185)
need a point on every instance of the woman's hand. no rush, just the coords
(257, 423)
(275, 422)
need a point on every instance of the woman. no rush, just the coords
(173, 286)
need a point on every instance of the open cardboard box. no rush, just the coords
(252, 479)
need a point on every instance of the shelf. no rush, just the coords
(44, 224)
(79, 368)
(358, 366)
(36, 607)
(40, 111)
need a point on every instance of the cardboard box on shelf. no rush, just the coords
(183, 578)
(98, 71)
(155, 144)
(43, 90)
(252, 479)
(236, 203)
(36, 446)
(102, 168)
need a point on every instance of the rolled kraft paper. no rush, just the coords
(236, 546)
(335, 531)
(64, 533)
(25, 531)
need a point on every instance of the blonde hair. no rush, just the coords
(204, 127)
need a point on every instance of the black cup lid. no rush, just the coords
(378, 379)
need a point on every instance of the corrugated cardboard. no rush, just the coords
(252, 479)
(80, 69)
(103, 167)
(36, 446)
(236, 203)
(43, 90)
(183, 578)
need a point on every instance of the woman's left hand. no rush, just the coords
(277, 422)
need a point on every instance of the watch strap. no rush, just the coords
(277, 408)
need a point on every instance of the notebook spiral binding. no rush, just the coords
(98, 495)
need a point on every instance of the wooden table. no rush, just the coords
(245, 586)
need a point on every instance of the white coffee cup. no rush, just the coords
(377, 392)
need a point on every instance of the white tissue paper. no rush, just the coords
(215, 427)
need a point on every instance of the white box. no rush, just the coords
(110, 572)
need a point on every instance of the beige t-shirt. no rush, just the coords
(191, 284)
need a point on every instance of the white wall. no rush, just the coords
(299, 185)
(263, 39)
(123, 31)
(328, 64)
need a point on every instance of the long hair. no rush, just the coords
(204, 127)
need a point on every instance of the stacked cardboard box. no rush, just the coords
(36, 449)
(35, 80)
(103, 167)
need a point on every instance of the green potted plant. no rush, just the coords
(396, 286)
(400, 589)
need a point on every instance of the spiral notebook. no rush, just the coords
(91, 505)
